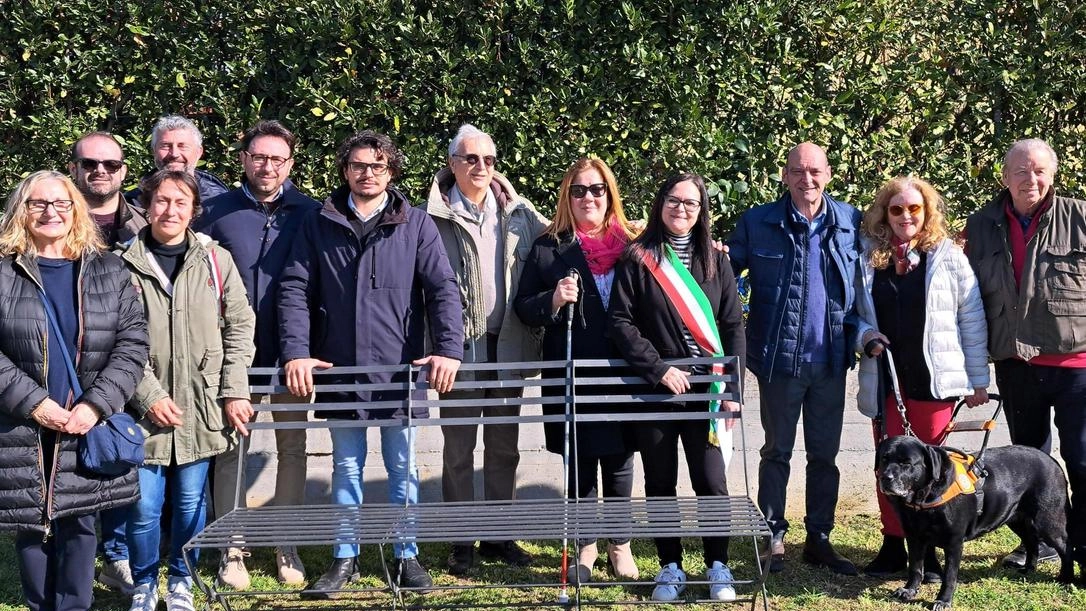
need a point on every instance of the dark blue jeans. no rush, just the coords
(1030, 395)
(114, 544)
(818, 394)
(188, 489)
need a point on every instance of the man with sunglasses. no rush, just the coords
(488, 230)
(801, 255)
(368, 283)
(257, 223)
(98, 169)
(1028, 249)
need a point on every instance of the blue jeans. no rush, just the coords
(114, 547)
(188, 487)
(348, 459)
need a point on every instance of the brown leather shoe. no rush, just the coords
(772, 557)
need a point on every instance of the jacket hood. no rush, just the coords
(437, 202)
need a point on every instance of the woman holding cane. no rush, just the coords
(588, 235)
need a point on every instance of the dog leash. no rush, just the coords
(897, 391)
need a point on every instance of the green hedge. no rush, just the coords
(723, 88)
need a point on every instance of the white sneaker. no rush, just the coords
(721, 579)
(179, 594)
(117, 575)
(670, 582)
(144, 597)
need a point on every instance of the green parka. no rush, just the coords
(200, 349)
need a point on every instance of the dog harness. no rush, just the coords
(968, 478)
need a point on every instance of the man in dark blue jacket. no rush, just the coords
(257, 223)
(368, 277)
(801, 253)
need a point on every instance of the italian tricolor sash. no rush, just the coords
(696, 313)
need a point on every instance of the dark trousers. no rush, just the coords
(616, 471)
(659, 445)
(58, 575)
(1030, 394)
(819, 395)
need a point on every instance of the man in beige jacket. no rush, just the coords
(487, 230)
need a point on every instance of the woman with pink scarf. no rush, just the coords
(588, 234)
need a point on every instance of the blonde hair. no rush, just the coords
(15, 238)
(563, 214)
(876, 226)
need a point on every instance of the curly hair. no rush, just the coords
(15, 238)
(877, 227)
(381, 145)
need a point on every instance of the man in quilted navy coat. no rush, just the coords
(801, 253)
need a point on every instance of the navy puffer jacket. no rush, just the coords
(112, 353)
(768, 245)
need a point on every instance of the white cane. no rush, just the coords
(563, 595)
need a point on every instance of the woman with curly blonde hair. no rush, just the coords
(918, 295)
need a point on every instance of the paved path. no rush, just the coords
(540, 471)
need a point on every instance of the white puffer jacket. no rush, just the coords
(955, 329)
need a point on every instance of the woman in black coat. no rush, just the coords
(588, 235)
(49, 245)
(647, 329)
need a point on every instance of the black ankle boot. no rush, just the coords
(933, 572)
(890, 560)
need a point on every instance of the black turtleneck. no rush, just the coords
(169, 257)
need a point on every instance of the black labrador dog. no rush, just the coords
(1022, 487)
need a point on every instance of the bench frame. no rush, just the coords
(382, 524)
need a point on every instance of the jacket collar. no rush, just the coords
(437, 202)
(335, 207)
(135, 250)
(781, 212)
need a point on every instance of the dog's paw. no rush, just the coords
(905, 594)
(940, 606)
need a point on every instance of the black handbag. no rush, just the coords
(114, 445)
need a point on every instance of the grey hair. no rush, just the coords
(468, 131)
(1029, 145)
(171, 122)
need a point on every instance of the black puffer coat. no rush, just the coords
(112, 353)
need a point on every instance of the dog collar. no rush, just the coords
(965, 481)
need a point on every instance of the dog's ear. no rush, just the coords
(934, 460)
(878, 453)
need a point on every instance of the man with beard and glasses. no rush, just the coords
(98, 169)
(368, 283)
(177, 144)
(257, 223)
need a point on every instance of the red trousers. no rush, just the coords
(929, 420)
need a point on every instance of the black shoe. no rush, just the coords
(506, 551)
(1017, 558)
(341, 572)
(461, 559)
(410, 574)
(890, 560)
(933, 572)
(773, 555)
(817, 551)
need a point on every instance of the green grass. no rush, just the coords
(982, 586)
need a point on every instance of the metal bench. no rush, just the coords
(540, 519)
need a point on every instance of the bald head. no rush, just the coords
(806, 173)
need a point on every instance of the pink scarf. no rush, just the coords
(602, 253)
(904, 255)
